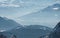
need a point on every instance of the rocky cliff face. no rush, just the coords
(56, 32)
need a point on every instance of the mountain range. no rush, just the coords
(27, 32)
(9, 27)
(37, 23)
(47, 16)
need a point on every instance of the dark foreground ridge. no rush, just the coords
(56, 32)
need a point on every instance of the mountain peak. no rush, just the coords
(56, 5)
(7, 24)
(58, 24)
(1, 18)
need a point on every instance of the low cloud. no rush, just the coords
(2, 0)
(9, 5)
(56, 8)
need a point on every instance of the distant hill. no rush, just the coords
(33, 31)
(7, 24)
(37, 27)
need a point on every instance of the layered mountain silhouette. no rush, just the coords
(9, 27)
(7, 24)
